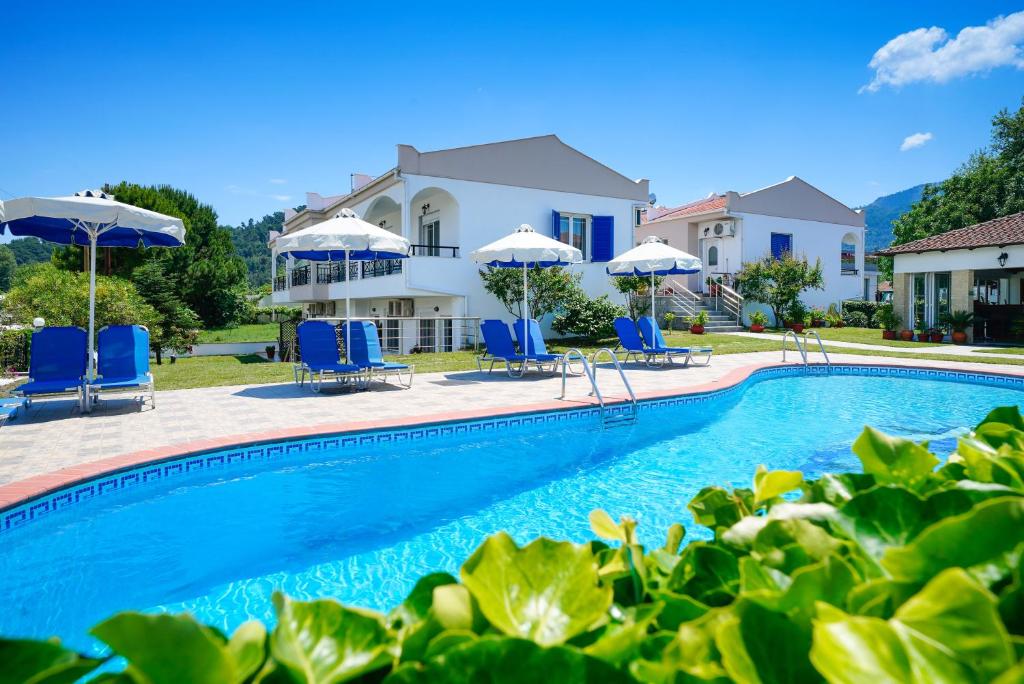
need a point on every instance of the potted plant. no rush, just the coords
(698, 322)
(270, 349)
(889, 320)
(797, 315)
(758, 319)
(817, 317)
(906, 335)
(958, 322)
(670, 318)
(936, 335)
(713, 285)
(924, 335)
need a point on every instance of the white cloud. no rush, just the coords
(278, 181)
(929, 54)
(281, 198)
(915, 140)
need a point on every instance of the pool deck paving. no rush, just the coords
(51, 444)
(965, 350)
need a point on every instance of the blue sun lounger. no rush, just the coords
(499, 347)
(364, 351)
(9, 408)
(633, 344)
(57, 364)
(318, 349)
(123, 366)
(535, 349)
(655, 343)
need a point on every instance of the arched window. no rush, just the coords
(848, 254)
(712, 256)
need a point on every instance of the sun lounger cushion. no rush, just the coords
(57, 362)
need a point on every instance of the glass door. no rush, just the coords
(940, 297)
(918, 302)
(430, 235)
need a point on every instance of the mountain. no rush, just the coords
(30, 250)
(250, 240)
(879, 215)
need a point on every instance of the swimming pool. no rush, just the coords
(360, 517)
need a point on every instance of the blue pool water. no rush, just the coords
(361, 524)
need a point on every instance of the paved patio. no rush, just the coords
(52, 437)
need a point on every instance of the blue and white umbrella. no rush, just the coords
(526, 248)
(94, 219)
(345, 237)
(652, 257)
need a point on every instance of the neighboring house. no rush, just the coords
(730, 229)
(977, 268)
(448, 203)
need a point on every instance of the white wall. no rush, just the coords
(980, 259)
(813, 240)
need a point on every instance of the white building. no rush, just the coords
(730, 229)
(448, 203)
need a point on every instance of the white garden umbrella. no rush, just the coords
(652, 257)
(90, 218)
(344, 237)
(526, 248)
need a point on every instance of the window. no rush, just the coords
(430, 235)
(918, 301)
(848, 254)
(638, 215)
(940, 296)
(712, 256)
(782, 243)
(572, 230)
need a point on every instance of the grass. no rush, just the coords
(866, 336)
(1001, 350)
(254, 332)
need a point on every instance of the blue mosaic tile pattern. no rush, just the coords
(225, 458)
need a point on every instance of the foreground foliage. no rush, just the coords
(909, 571)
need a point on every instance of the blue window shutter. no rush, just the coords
(602, 228)
(556, 223)
(781, 243)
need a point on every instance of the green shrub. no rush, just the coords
(758, 318)
(908, 571)
(869, 309)
(582, 316)
(886, 318)
(856, 319)
(14, 350)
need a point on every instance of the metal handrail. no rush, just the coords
(591, 374)
(732, 300)
(821, 346)
(618, 367)
(683, 297)
(799, 347)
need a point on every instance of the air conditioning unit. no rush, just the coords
(724, 229)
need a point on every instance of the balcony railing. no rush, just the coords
(381, 267)
(334, 272)
(280, 283)
(300, 276)
(848, 270)
(449, 251)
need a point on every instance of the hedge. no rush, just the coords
(868, 308)
(908, 571)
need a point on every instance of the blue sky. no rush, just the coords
(250, 105)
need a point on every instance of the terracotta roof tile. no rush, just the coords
(701, 206)
(1008, 230)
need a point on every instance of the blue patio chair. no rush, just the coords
(535, 349)
(631, 342)
(57, 364)
(9, 408)
(364, 351)
(499, 347)
(318, 349)
(655, 341)
(123, 365)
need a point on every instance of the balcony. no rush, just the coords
(448, 251)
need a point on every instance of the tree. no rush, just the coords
(548, 288)
(30, 250)
(8, 264)
(250, 239)
(62, 298)
(989, 185)
(591, 318)
(638, 293)
(179, 324)
(208, 275)
(778, 282)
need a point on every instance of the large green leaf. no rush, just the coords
(620, 640)
(320, 642)
(41, 662)
(980, 537)
(887, 515)
(893, 459)
(791, 543)
(836, 489)
(176, 648)
(504, 660)
(706, 572)
(546, 591)
(949, 632)
(714, 507)
(762, 646)
(771, 484)
(417, 604)
(987, 463)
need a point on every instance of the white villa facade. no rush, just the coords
(733, 228)
(448, 203)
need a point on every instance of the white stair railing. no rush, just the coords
(732, 301)
(683, 298)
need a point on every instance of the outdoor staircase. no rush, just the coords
(675, 298)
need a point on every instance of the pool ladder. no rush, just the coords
(611, 416)
(802, 347)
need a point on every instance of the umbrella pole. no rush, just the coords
(653, 314)
(526, 313)
(348, 313)
(91, 375)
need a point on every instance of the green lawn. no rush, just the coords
(1001, 350)
(866, 336)
(254, 332)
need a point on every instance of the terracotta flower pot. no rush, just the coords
(798, 327)
(906, 335)
(697, 329)
(756, 328)
(888, 334)
(818, 323)
(924, 337)
(959, 337)
(936, 337)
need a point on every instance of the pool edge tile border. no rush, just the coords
(22, 493)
